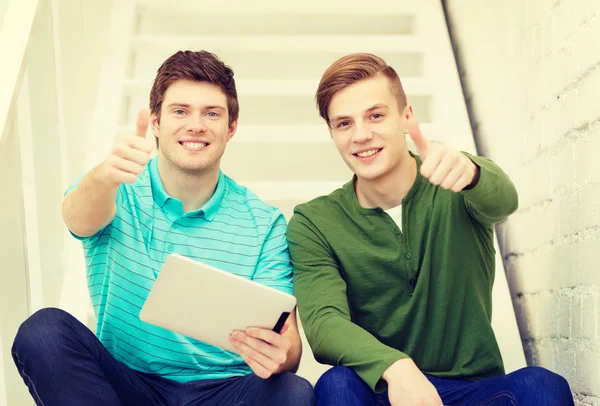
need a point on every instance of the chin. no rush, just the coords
(369, 173)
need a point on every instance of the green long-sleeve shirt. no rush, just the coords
(370, 294)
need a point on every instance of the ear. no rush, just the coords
(155, 124)
(232, 129)
(407, 113)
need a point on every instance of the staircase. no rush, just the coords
(278, 51)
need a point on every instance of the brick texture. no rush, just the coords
(531, 72)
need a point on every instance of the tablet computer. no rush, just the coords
(208, 304)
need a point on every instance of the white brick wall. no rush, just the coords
(532, 75)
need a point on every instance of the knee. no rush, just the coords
(40, 329)
(546, 383)
(337, 378)
(548, 380)
(298, 391)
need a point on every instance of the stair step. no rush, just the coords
(300, 191)
(284, 161)
(298, 43)
(416, 86)
(258, 7)
(271, 22)
(277, 102)
(277, 64)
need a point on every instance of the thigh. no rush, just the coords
(342, 386)
(527, 386)
(63, 363)
(282, 389)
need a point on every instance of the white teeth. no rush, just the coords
(368, 153)
(194, 145)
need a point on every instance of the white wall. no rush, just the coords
(81, 27)
(3, 7)
(532, 75)
(13, 273)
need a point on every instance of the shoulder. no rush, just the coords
(322, 206)
(243, 201)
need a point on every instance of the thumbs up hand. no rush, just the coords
(129, 156)
(443, 166)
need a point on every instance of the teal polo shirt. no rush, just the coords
(234, 231)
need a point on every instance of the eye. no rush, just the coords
(376, 116)
(342, 124)
(179, 112)
(212, 114)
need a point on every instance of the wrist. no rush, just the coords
(400, 367)
(100, 177)
(475, 178)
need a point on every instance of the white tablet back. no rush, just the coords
(206, 303)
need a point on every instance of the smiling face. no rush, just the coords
(193, 129)
(367, 127)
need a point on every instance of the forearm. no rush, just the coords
(90, 206)
(338, 341)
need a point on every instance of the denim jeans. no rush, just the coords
(531, 386)
(63, 363)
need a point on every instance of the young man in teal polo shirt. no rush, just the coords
(131, 212)
(394, 271)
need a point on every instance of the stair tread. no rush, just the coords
(265, 6)
(323, 43)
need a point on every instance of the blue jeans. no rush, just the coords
(528, 386)
(63, 363)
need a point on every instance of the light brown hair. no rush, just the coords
(351, 69)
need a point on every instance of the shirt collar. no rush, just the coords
(209, 209)
(350, 192)
(158, 190)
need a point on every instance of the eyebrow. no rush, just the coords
(370, 109)
(185, 105)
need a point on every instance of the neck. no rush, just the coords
(388, 190)
(193, 189)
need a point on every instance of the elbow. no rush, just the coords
(66, 212)
(513, 202)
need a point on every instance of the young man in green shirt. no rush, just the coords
(394, 271)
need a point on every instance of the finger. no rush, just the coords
(276, 353)
(285, 327)
(452, 177)
(269, 336)
(119, 176)
(142, 123)
(461, 183)
(126, 165)
(258, 369)
(254, 354)
(435, 154)
(447, 163)
(418, 138)
(142, 144)
(131, 154)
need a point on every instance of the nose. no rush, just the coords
(361, 134)
(195, 124)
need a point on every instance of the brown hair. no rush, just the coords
(201, 66)
(353, 68)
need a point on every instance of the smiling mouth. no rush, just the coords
(193, 145)
(367, 154)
